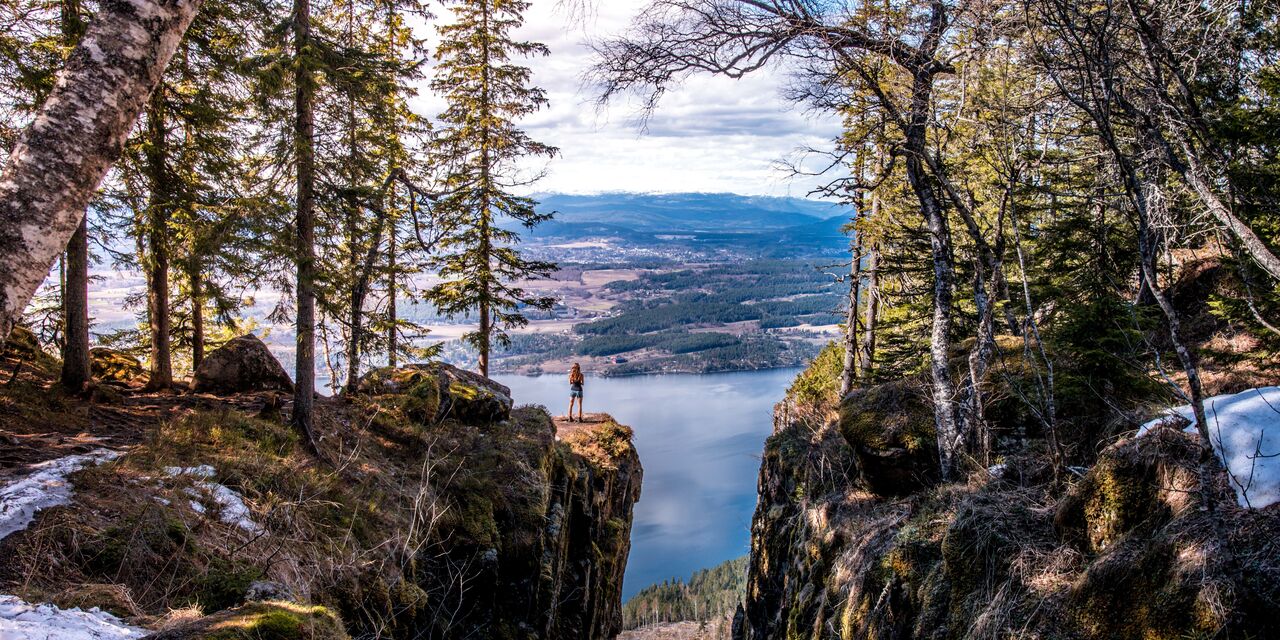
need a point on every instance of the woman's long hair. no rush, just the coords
(575, 374)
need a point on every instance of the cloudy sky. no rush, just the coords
(711, 135)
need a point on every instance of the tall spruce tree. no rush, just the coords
(365, 156)
(479, 146)
(75, 285)
(305, 83)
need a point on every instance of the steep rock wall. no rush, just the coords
(1129, 550)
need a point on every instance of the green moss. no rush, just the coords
(474, 522)
(886, 416)
(819, 385)
(604, 444)
(224, 584)
(114, 366)
(265, 621)
(421, 401)
(1118, 499)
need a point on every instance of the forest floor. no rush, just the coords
(39, 421)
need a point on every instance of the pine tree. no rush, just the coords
(304, 231)
(478, 147)
(365, 160)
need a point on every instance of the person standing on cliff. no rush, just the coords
(576, 380)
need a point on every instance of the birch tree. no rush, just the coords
(79, 133)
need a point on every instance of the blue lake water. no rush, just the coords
(700, 439)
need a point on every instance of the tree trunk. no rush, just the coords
(944, 390)
(197, 313)
(75, 304)
(872, 310)
(1147, 246)
(79, 133)
(304, 139)
(486, 328)
(74, 280)
(392, 330)
(157, 263)
(850, 372)
(1195, 176)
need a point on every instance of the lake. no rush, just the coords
(700, 438)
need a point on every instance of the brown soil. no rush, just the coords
(40, 421)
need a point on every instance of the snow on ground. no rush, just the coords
(231, 507)
(46, 486)
(1245, 430)
(22, 621)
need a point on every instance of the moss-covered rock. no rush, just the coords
(262, 621)
(22, 343)
(110, 365)
(890, 427)
(432, 392)
(1137, 484)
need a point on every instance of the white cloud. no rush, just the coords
(711, 134)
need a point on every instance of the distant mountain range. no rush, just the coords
(767, 226)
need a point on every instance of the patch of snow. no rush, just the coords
(202, 471)
(46, 486)
(22, 621)
(997, 470)
(1245, 430)
(231, 507)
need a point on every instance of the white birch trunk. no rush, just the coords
(79, 133)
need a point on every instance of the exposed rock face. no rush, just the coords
(438, 391)
(538, 533)
(1131, 551)
(109, 365)
(241, 365)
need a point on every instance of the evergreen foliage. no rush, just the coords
(478, 145)
(709, 594)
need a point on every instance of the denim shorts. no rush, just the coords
(575, 391)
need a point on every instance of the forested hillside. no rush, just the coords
(710, 594)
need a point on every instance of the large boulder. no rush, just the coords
(109, 365)
(890, 427)
(241, 365)
(433, 392)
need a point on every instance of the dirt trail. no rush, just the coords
(39, 421)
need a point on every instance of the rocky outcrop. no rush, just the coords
(241, 365)
(890, 428)
(436, 391)
(1131, 550)
(538, 534)
(109, 365)
(22, 343)
(408, 528)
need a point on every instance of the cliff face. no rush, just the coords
(1131, 549)
(436, 511)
